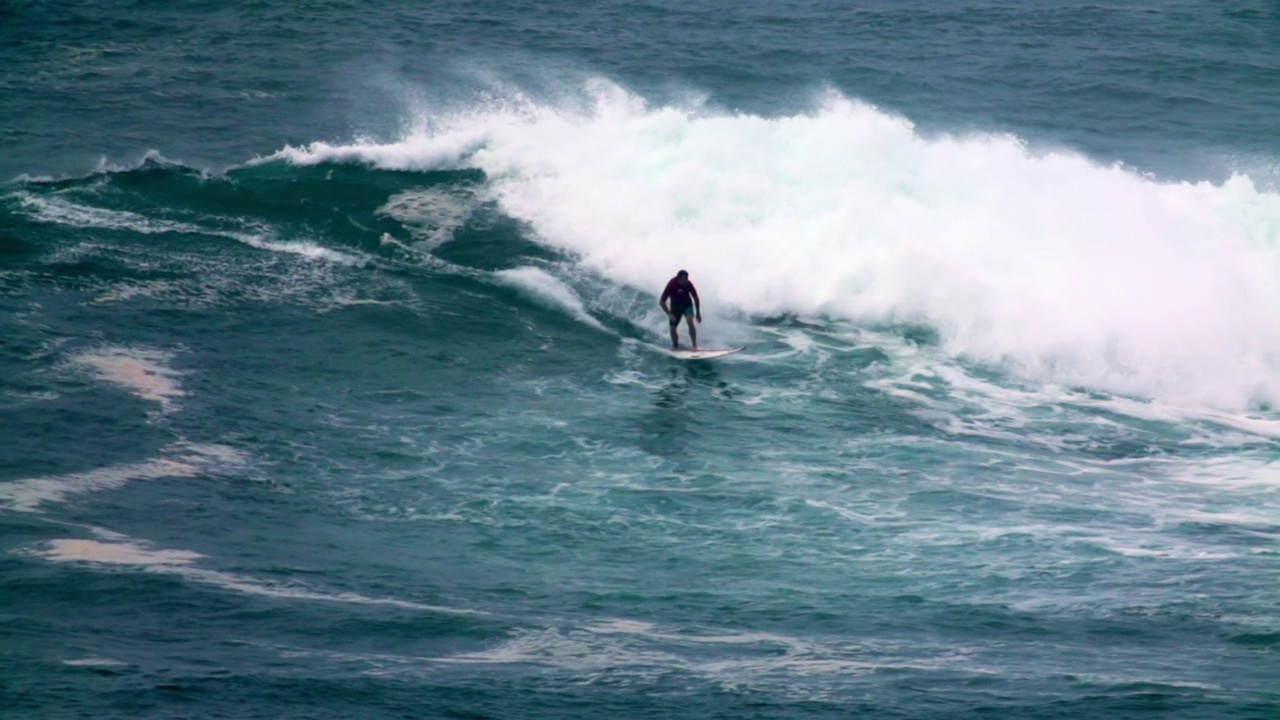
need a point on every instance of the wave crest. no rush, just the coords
(1055, 267)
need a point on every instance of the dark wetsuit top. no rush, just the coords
(682, 294)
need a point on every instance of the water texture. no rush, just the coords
(332, 380)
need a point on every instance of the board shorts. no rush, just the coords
(677, 312)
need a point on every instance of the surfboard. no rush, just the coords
(702, 354)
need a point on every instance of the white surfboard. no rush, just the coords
(702, 354)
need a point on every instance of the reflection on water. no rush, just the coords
(671, 422)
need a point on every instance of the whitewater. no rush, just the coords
(333, 384)
(1036, 260)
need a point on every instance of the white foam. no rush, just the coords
(94, 662)
(637, 652)
(145, 373)
(1055, 267)
(120, 551)
(186, 460)
(303, 248)
(433, 214)
(114, 553)
(124, 292)
(61, 211)
(1248, 423)
(27, 495)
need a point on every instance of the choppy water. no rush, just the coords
(332, 382)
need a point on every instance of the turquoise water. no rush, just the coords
(333, 383)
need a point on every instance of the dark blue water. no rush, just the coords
(334, 383)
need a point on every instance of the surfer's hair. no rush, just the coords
(682, 274)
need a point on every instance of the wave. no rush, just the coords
(545, 289)
(1052, 266)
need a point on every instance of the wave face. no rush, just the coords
(333, 381)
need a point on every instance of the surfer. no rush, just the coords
(684, 302)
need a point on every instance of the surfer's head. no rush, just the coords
(683, 274)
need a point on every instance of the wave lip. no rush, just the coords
(547, 290)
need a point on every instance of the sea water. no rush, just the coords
(332, 383)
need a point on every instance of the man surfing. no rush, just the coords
(684, 302)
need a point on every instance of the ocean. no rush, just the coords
(333, 381)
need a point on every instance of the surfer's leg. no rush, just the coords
(675, 330)
(693, 331)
